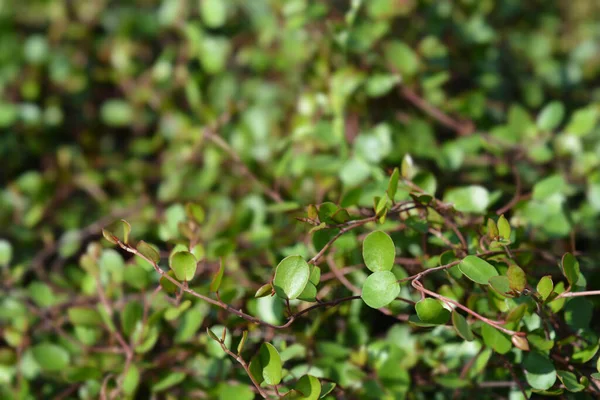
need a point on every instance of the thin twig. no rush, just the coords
(462, 128)
(244, 365)
(223, 305)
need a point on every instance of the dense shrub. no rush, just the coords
(303, 199)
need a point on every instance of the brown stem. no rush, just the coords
(223, 305)
(462, 128)
(517, 196)
(244, 365)
(418, 286)
(217, 140)
(355, 224)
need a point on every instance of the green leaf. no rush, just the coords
(315, 275)
(309, 293)
(477, 270)
(212, 335)
(495, 339)
(216, 280)
(569, 379)
(131, 380)
(380, 289)
(242, 342)
(431, 311)
(183, 264)
(170, 380)
(228, 391)
(393, 184)
(545, 286)
(131, 314)
(51, 357)
(167, 285)
(308, 388)
(326, 211)
(117, 230)
(492, 229)
(264, 290)
(503, 228)
(327, 388)
(501, 285)
(116, 113)
(195, 212)
(547, 187)
(583, 121)
(84, 316)
(402, 58)
(570, 268)
(291, 277)
(213, 347)
(41, 294)
(214, 13)
(462, 326)
(408, 167)
(5, 252)
(148, 251)
(379, 251)
(266, 365)
(551, 116)
(471, 199)
(516, 278)
(539, 371)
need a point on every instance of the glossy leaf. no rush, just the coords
(539, 371)
(291, 277)
(504, 228)
(380, 289)
(379, 251)
(431, 311)
(470, 199)
(545, 287)
(266, 365)
(308, 388)
(477, 270)
(183, 264)
(264, 290)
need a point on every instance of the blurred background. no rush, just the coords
(255, 109)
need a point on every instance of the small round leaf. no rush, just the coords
(379, 251)
(545, 286)
(183, 263)
(380, 289)
(291, 277)
(431, 311)
(539, 371)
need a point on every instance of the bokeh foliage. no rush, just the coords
(211, 126)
